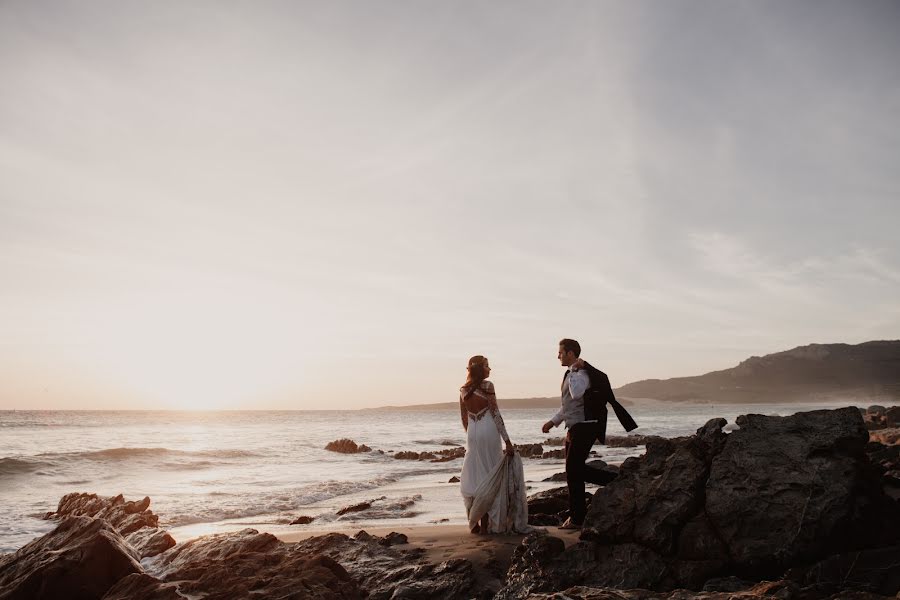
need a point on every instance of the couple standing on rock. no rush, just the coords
(493, 481)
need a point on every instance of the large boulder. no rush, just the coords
(792, 489)
(241, 564)
(81, 559)
(777, 493)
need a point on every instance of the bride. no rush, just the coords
(492, 481)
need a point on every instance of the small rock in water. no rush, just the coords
(345, 446)
(406, 455)
(529, 450)
(355, 508)
(304, 520)
(454, 479)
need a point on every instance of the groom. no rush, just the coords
(585, 413)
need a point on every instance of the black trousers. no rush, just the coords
(579, 442)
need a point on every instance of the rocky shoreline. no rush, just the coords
(800, 507)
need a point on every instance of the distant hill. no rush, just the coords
(868, 371)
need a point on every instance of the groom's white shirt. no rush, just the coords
(573, 389)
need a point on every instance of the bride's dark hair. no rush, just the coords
(475, 374)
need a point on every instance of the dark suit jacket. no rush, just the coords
(598, 396)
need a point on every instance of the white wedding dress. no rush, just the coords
(491, 482)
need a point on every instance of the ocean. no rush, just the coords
(210, 472)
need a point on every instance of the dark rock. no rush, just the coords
(438, 456)
(393, 539)
(532, 563)
(454, 479)
(550, 501)
(364, 536)
(652, 498)
(355, 508)
(407, 455)
(448, 454)
(557, 441)
(892, 415)
(778, 492)
(449, 579)
(247, 564)
(727, 584)
(125, 517)
(876, 571)
(629, 441)
(554, 454)
(140, 586)
(556, 477)
(149, 542)
(699, 541)
(345, 446)
(529, 450)
(541, 563)
(363, 448)
(387, 572)
(792, 489)
(81, 559)
(611, 470)
(303, 520)
(543, 520)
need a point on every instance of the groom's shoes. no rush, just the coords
(570, 524)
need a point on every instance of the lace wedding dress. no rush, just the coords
(491, 482)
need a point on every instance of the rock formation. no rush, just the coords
(133, 520)
(346, 446)
(779, 493)
(79, 560)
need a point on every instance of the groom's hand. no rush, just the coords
(547, 427)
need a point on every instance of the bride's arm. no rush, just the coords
(498, 419)
(464, 414)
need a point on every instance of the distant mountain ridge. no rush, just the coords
(870, 371)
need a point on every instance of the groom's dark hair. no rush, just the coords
(571, 346)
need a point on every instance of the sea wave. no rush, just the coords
(120, 454)
(440, 442)
(11, 466)
(220, 507)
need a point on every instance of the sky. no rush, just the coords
(318, 205)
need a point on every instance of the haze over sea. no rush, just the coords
(223, 470)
